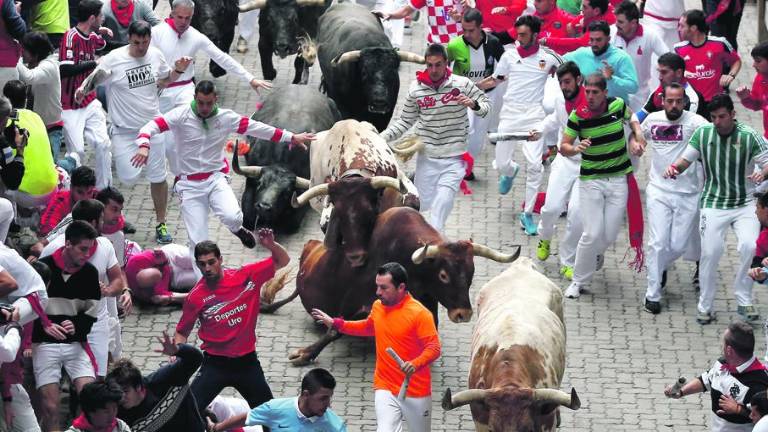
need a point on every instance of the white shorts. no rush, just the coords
(98, 339)
(391, 412)
(124, 147)
(85, 124)
(49, 358)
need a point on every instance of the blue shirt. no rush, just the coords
(624, 80)
(283, 415)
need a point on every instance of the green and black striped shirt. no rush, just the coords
(607, 156)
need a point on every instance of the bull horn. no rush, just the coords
(486, 252)
(428, 251)
(462, 398)
(348, 56)
(381, 182)
(302, 183)
(557, 396)
(407, 56)
(251, 5)
(313, 192)
(252, 171)
(310, 2)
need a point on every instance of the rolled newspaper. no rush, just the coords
(400, 362)
(495, 137)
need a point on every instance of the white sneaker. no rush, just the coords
(573, 291)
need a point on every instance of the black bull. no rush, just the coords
(440, 272)
(275, 172)
(216, 19)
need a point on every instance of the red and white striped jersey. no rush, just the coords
(75, 48)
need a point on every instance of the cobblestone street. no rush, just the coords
(619, 357)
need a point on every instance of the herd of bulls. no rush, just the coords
(369, 214)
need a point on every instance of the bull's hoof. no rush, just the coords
(300, 357)
(270, 74)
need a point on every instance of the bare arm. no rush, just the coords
(691, 387)
(233, 422)
(279, 255)
(115, 286)
(398, 14)
(7, 283)
(567, 147)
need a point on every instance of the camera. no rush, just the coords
(10, 131)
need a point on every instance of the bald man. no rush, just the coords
(154, 273)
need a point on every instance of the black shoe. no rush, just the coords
(129, 228)
(470, 176)
(695, 281)
(664, 279)
(246, 237)
(652, 307)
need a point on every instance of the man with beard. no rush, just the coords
(671, 68)
(672, 204)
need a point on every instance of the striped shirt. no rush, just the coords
(440, 122)
(75, 48)
(727, 163)
(607, 155)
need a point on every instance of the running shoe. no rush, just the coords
(567, 272)
(652, 307)
(527, 223)
(505, 182)
(542, 251)
(242, 45)
(573, 291)
(748, 312)
(705, 317)
(162, 236)
(246, 237)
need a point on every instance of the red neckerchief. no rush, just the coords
(170, 22)
(754, 366)
(584, 112)
(469, 164)
(111, 229)
(123, 14)
(527, 51)
(423, 77)
(83, 423)
(58, 258)
(637, 34)
(580, 99)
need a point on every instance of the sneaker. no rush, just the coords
(526, 222)
(695, 280)
(748, 312)
(242, 45)
(129, 228)
(705, 317)
(161, 234)
(664, 279)
(567, 272)
(505, 182)
(542, 251)
(246, 237)
(573, 291)
(652, 307)
(600, 262)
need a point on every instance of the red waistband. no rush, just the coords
(661, 18)
(195, 177)
(179, 83)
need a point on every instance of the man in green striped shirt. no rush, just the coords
(599, 126)
(729, 151)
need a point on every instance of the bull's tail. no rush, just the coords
(273, 286)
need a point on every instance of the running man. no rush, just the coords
(400, 322)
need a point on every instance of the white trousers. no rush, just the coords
(562, 193)
(124, 147)
(248, 21)
(668, 32)
(24, 419)
(670, 217)
(98, 339)
(437, 181)
(6, 217)
(395, 28)
(712, 226)
(89, 125)
(478, 129)
(606, 201)
(196, 198)
(522, 119)
(391, 412)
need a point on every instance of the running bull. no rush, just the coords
(276, 172)
(288, 27)
(439, 270)
(518, 355)
(216, 19)
(359, 64)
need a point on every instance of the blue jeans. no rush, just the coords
(55, 137)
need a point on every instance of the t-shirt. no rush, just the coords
(727, 163)
(132, 86)
(669, 139)
(26, 277)
(704, 63)
(284, 414)
(442, 28)
(526, 73)
(761, 425)
(758, 99)
(228, 313)
(741, 383)
(77, 48)
(607, 155)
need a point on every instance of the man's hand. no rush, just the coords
(607, 71)
(140, 158)
(257, 84)
(168, 347)
(543, 41)
(322, 317)
(499, 10)
(126, 302)
(465, 100)
(56, 331)
(105, 31)
(668, 392)
(728, 405)
(756, 177)
(758, 274)
(182, 63)
(79, 95)
(408, 368)
(534, 135)
(671, 172)
(743, 92)
(455, 14)
(583, 145)
(725, 80)
(266, 238)
(68, 326)
(301, 140)
(637, 147)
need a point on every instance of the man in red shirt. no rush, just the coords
(705, 56)
(577, 35)
(757, 98)
(226, 302)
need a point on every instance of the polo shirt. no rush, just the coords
(284, 415)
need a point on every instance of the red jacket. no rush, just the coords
(579, 24)
(502, 22)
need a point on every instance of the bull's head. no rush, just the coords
(377, 68)
(514, 409)
(216, 20)
(453, 267)
(281, 22)
(355, 207)
(276, 185)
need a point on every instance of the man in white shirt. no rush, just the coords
(200, 130)
(672, 204)
(663, 15)
(641, 43)
(132, 75)
(526, 68)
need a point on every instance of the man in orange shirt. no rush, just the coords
(400, 322)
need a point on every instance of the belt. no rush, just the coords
(661, 18)
(179, 83)
(195, 177)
